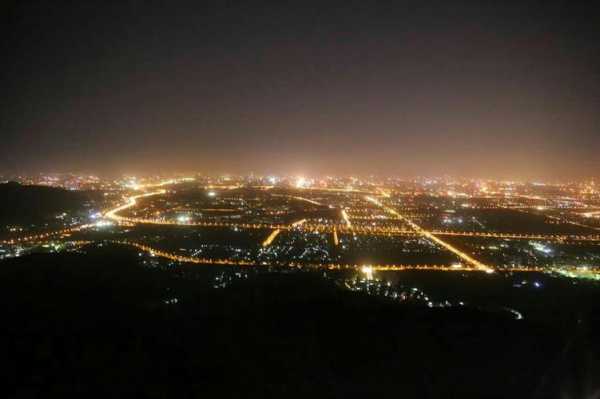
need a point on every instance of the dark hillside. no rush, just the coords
(21, 204)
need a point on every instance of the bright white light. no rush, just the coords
(211, 194)
(183, 219)
(541, 248)
(104, 223)
(367, 271)
(133, 184)
(301, 182)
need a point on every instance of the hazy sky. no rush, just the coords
(477, 88)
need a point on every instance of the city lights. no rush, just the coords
(353, 199)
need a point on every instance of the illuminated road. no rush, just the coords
(323, 228)
(330, 266)
(478, 265)
(271, 238)
(306, 200)
(336, 240)
(336, 229)
(568, 271)
(346, 218)
(110, 214)
(298, 223)
(162, 183)
(513, 236)
(343, 229)
(562, 220)
(131, 202)
(45, 236)
(298, 198)
(595, 214)
(572, 222)
(182, 258)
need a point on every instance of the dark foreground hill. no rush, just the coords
(32, 204)
(100, 325)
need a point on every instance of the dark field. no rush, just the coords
(498, 220)
(381, 250)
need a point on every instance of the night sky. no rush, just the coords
(480, 89)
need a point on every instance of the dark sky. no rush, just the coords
(482, 89)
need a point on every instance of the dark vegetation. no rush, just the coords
(35, 204)
(98, 325)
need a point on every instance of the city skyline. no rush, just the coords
(62, 179)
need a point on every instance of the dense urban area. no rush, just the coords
(494, 271)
